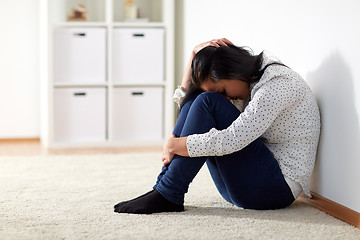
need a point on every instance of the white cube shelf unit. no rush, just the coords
(106, 81)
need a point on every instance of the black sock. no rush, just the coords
(151, 202)
(122, 203)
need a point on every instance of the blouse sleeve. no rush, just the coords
(265, 105)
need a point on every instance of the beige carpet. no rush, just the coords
(72, 197)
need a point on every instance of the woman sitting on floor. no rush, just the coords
(260, 155)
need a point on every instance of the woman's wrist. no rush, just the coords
(178, 146)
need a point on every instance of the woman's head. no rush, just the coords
(227, 69)
(225, 62)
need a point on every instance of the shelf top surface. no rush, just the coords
(106, 24)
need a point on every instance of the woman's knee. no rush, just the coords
(210, 99)
(209, 96)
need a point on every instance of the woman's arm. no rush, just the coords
(269, 103)
(178, 145)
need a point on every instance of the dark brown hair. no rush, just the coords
(225, 62)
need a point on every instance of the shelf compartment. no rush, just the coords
(148, 10)
(138, 114)
(80, 55)
(60, 9)
(138, 55)
(79, 115)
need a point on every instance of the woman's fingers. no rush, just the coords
(215, 43)
(226, 41)
(222, 42)
(167, 158)
(219, 42)
(165, 161)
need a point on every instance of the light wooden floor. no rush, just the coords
(33, 147)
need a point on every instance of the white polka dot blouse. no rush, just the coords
(283, 112)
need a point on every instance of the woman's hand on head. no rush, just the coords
(215, 43)
(187, 73)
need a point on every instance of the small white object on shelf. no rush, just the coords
(78, 13)
(130, 10)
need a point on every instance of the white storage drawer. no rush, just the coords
(80, 55)
(138, 113)
(138, 55)
(80, 114)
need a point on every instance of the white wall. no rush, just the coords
(19, 86)
(320, 40)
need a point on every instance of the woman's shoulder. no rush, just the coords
(274, 74)
(276, 69)
(279, 77)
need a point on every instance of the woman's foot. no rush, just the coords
(122, 203)
(151, 202)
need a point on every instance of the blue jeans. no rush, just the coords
(250, 178)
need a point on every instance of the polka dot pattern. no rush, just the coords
(282, 111)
